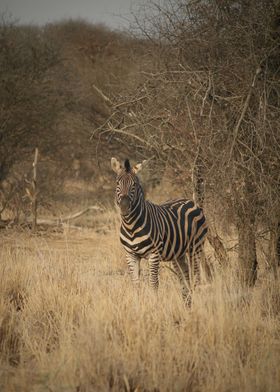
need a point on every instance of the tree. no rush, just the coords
(214, 90)
(28, 103)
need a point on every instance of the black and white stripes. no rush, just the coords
(166, 232)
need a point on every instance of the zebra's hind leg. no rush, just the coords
(133, 262)
(195, 264)
(154, 261)
(181, 267)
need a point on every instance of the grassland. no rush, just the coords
(71, 321)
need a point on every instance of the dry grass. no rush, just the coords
(70, 321)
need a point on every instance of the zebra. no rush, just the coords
(173, 231)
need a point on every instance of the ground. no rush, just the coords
(71, 321)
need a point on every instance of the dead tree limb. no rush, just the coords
(122, 132)
(244, 110)
(67, 218)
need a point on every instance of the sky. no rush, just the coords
(113, 13)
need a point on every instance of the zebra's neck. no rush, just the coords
(138, 209)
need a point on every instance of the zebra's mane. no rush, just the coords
(127, 165)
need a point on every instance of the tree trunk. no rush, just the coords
(218, 246)
(247, 252)
(278, 245)
(274, 245)
(34, 191)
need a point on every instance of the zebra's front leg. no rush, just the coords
(154, 261)
(133, 262)
(181, 267)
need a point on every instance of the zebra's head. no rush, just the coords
(128, 187)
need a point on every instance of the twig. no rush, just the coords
(243, 112)
(106, 99)
(206, 95)
(130, 102)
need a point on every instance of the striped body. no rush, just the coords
(166, 232)
(171, 229)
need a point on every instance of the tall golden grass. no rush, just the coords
(71, 321)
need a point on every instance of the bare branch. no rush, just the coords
(67, 218)
(243, 112)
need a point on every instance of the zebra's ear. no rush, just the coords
(139, 166)
(116, 166)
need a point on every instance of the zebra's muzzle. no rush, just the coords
(125, 205)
